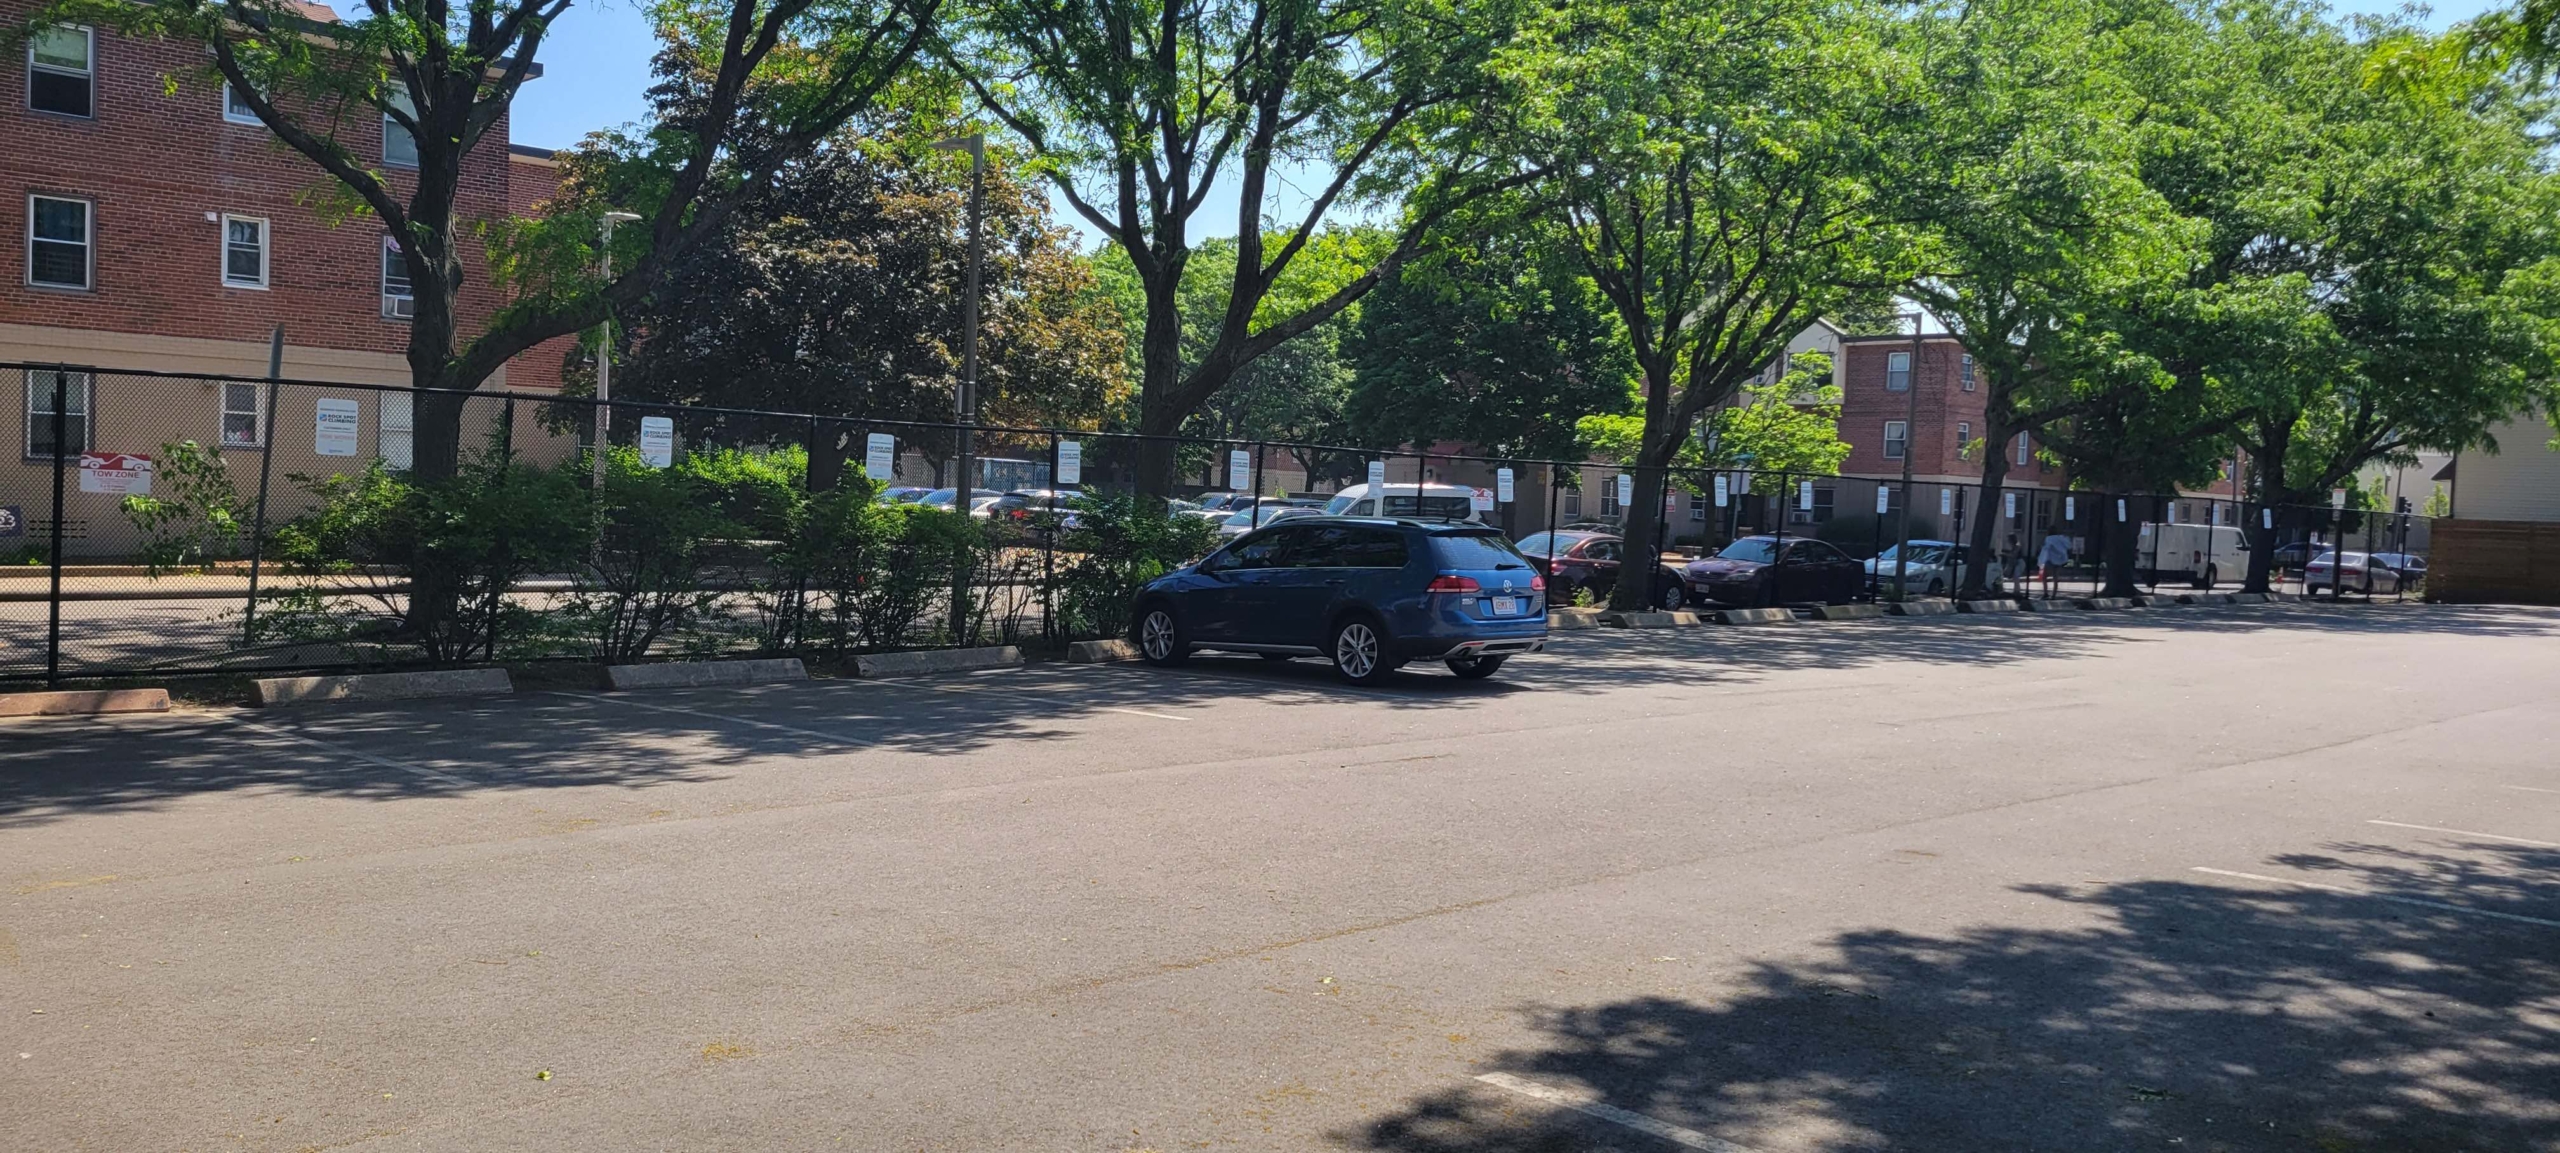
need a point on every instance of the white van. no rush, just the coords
(2196, 553)
(1427, 501)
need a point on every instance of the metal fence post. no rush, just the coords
(61, 447)
(266, 469)
(1049, 554)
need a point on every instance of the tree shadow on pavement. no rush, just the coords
(2206, 1014)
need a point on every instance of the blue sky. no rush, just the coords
(596, 68)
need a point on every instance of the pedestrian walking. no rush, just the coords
(2055, 553)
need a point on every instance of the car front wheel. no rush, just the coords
(1670, 597)
(1475, 668)
(1360, 652)
(1160, 638)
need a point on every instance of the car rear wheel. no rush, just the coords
(1160, 637)
(1475, 668)
(1359, 651)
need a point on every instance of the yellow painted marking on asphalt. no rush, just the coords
(72, 883)
(1589, 1104)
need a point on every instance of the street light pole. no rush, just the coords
(1910, 425)
(966, 399)
(604, 342)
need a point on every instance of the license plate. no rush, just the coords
(1505, 606)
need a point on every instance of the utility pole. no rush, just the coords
(604, 342)
(1910, 425)
(966, 399)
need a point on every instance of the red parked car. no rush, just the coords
(1589, 560)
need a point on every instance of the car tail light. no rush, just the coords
(1537, 584)
(1452, 583)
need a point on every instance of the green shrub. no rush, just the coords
(645, 578)
(1119, 544)
(202, 518)
(427, 565)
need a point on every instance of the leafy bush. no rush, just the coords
(756, 490)
(645, 578)
(1120, 543)
(203, 518)
(427, 564)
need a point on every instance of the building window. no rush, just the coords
(58, 247)
(2023, 449)
(1964, 372)
(1608, 498)
(235, 109)
(399, 301)
(244, 252)
(1897, 372)
(1572, 504)
(1964, 440)
(1824, 500)
(397, 430)
(41, 384)
(399, 148)
(1897, 439)
(62, 71)
(241, 427)
(1697, 507)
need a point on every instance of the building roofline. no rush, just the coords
(1904, 337)
(529, 154)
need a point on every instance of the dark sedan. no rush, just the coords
(1762, 570)
(1589, 560)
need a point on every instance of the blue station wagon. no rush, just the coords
(1368, 593)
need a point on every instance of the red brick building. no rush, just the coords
(1882, 386)
(159, 227)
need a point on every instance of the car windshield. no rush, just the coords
(1537, 543)
(1752, 549)
(1477, 551)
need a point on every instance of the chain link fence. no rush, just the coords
(158, 523)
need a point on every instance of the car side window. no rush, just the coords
(1600, 550)
(1268, 550)
(1370, 548)
(1321, 548)
(1816, 552)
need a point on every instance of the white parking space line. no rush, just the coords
(351, 754)
(1589, 1104)
(2469, 833)
(2423, 904)
(1138, 713)
(2529, 789)
(611, 700)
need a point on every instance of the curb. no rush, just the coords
(1655, 620)
(273, 691)
(2204, 598)
(1100, 652)
(938, 661)
(84, 702)
(2248, 599)
(702, 674)
(1848, 612)
(1986, 606)
(1573, 618)
(1771, 616)
(1921, 607)
(2097, 603)
(2031, 605)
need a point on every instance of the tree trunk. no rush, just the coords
(1160, 373)
(2274, 442)
(2123, 541)
(1986, 509)
(1637, 556)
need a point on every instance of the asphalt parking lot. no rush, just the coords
(2206, 879)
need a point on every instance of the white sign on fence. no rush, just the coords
(2071, 508)
(1724, 489)
(1070, 462)
(333, 427)
(1804, 495)
(1946, 501)
(1884, 500)
(115, 473)
(2337, 498)
(657, 441)
(2009, 505)
(1626, 490)
(2172, 506)
(1502, 490)
(1480, 499)
(1240, 470)
(880, 458)
(2119, 510)
(2217, 513)
(1377, 475)
(2267, 517)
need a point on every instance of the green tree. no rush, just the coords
(1710, 171)
(1138, 108)
(838, 292)
(765, 80)
(2378, 273)
(1790, 424)
(1493, 340)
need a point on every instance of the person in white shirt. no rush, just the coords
(2055, 553)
